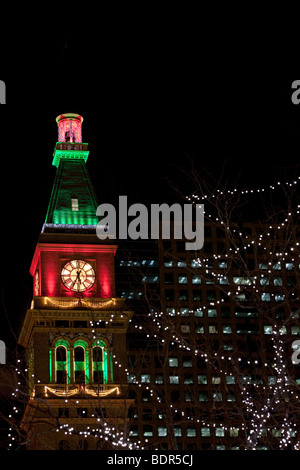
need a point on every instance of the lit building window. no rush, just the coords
(279, 297)
(162, 431)
(173, 362)
(168, 263)
(231, 397)
(230, 379)
(181, 263)
(227, 329)
(268, 330)
(147, 431)
(198, 313)
(202, 379)
(203, 396)
(219, 432)
(184, 312)
(188, 379)
(233, 432)
(196, 279)
(171, 311)
(295, 330)
(263, 266)
(159, 379)
(187, 362)
(188, 396)
(191, 432)
(212, 329)
(75, 206)
(289, 266)
(277, 281)
(196, 263)
(145, 378)
(212, 313)
(243, 281)
(133, 431)
(131, 378)
(174, 379)
(216, 380)
(217, 396)
(205, 432)
(223, 264)
(224, 280)
(185, 328)
(182, 279)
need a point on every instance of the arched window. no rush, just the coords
(81, 362)
(82, 444)
(62, 362)
(64, 445)
(98, 366)
(101, 445)
(101, 363)
(69, 136)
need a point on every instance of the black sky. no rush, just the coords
(146, 111)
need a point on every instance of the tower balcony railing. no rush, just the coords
(71, 146)
(96, 303)
(79, 390)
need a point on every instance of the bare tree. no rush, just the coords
(242, 336)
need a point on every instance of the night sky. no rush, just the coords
(145, 114)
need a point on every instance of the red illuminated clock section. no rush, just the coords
(78, 275)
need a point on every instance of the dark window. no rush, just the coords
(98, 365)
(169, 278)
(63, 412)
(79, 364)
(61, 373)
(82, 444)
(64, 445)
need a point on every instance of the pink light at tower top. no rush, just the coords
(69, 127)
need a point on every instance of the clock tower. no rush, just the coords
(74, 334)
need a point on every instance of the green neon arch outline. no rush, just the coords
(65, 344)
(84, 345)
(100, 343)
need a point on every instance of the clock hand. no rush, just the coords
(78, 276)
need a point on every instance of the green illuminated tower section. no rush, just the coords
(73, 201)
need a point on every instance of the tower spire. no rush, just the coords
(73, 202)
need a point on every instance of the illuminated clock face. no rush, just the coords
(78, 275)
